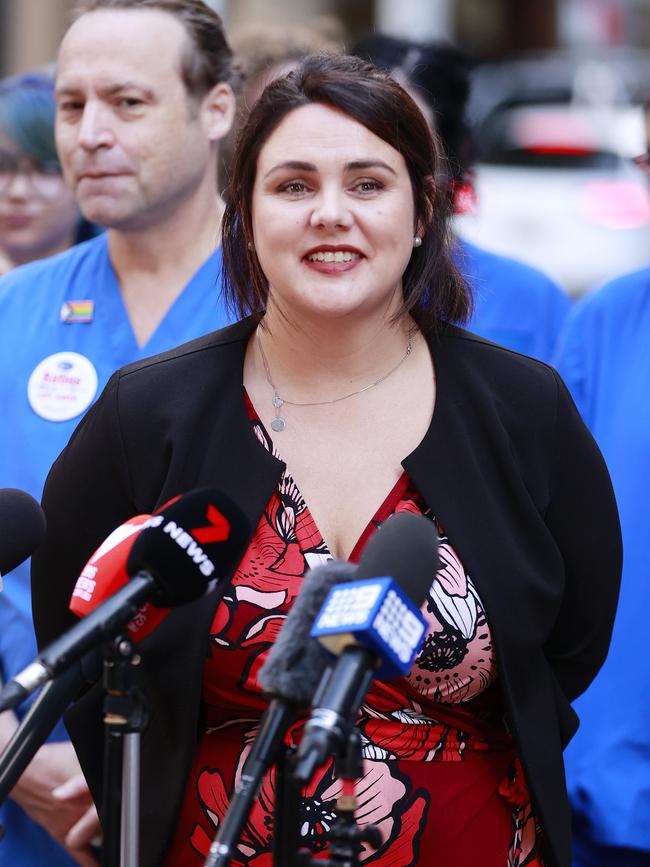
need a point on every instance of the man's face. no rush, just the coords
(134, 145)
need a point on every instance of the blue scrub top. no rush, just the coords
(604, 357)
(515, 305)
(34, 302)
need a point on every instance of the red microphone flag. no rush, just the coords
(104, 574)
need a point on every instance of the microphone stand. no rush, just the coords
(286, 812)
(346, 836)
(125, 717)
(269, 740)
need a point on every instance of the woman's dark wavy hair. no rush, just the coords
(433, 290)
(440, 73)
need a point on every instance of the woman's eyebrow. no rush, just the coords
(354, 165)
(294, 165)
(357, 165)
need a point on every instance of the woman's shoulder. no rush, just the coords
(499, 388)
(174, 390)
(490, 363)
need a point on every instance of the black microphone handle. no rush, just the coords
(274, 723)
(33, 731)
(334, 714)
(103, 623)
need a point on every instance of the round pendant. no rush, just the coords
(277, 401)
(277, 424)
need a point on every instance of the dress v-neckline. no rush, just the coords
(383, 511)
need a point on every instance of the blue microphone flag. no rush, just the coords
(377, 614)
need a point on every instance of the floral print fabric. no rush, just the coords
(440, 779)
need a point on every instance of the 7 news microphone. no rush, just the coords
(23, 528)
(375, 628)
(176, 557)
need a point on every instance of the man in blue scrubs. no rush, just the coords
(604, 357)
(144, 97)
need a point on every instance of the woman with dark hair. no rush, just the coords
(38, 212)
(344, 396)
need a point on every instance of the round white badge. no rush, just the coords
(62, 386)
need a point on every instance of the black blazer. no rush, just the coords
(507, 466)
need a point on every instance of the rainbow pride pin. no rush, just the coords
(77, 311)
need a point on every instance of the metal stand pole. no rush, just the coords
(266, 749)
(125, 718)
(130, 836)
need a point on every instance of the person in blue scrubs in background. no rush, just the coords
(604, 357)
(515, 304)
(144, 95)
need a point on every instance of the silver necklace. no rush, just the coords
(278, 423)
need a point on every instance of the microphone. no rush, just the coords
(290, 675)
(106, 572)
(374, 626)
(23, 528)
(176, 558)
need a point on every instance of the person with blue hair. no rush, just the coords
(38, 212)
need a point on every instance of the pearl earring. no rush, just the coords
(417, 241)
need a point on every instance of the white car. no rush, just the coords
(557, 187)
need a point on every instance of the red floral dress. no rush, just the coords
(441, 778)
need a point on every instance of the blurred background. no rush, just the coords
(557, 106)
